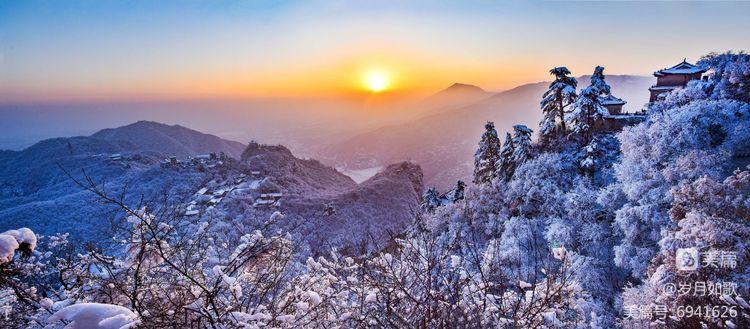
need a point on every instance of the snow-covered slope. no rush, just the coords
(293, 174)
(380, 207)
(322, 206)
(35, 190)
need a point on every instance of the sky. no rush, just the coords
(61, 51)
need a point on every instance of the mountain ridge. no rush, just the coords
(36, 189)
(174, 140)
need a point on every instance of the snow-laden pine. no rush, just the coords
(486, 155)
(561, 93)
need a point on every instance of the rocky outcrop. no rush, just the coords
(296, 176)
(367, 214)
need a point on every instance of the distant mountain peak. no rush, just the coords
(148, 123)
(139, 125)
(170, 140)
(463, 87)
(457, 93)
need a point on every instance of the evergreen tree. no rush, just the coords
(458, 192)
(521, 144)
(505, 165)
(487, 155)
(597, 81)
(590, 157)
(430, 199)
(561, 93)
(587, 109)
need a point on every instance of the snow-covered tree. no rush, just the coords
(561, 93)
(675, 196)
(430, 199)
(713, 217)
(702, 138)
(587, 108)
(27, 283)
(486, 155)
(597, 81)
(731, 75)
(505, 166)
(515, 150)
(522, 146)
(590, 158)
(458, 191)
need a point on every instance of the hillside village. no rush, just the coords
(243, 186)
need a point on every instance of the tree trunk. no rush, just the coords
(589, 131)
(562, 111)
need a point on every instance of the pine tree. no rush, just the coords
(597, 81)
(487, 155)
(458, 192)
(590, 157)
(521, 144)
(561, 93)
(430, 199)
(505, 165)
(588, 109)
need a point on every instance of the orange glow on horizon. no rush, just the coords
(351, 76)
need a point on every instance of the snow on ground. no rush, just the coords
(95, 315)
(255, 184)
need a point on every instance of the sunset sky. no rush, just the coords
(94, 50)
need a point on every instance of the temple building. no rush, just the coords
(674, 77)
(616, 119)
(612, 104)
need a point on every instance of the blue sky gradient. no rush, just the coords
(88, 49)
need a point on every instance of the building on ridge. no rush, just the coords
(674, 77)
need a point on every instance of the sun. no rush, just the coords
(376, 80)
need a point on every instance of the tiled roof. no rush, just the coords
(611, 100)
(682, 68)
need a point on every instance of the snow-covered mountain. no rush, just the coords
(36, 191)
(443, 142)
(378, 208)
(320, 204)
